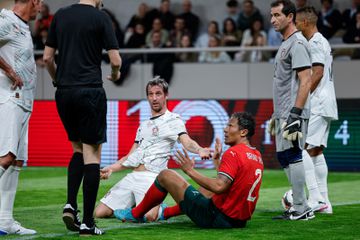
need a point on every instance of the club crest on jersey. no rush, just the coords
(283, 52)
(155, 131)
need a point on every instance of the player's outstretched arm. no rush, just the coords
(216, 185)
(106, 172)
(192, 146)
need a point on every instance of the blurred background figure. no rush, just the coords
(139, 17)
(255, 36)
(212, 30)
(231, 36)
(247, 15)
(157, 27)
(300, 3)
(232, 9)
(352, 35)
(192, 21)
(186, 56)
(40, 32)
(330, 19)
(214, 56)
(177, 33)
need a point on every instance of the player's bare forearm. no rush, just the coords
(304, 88)
(115, 62)
(189, 144)
(216, 185)
(5, 66)
(49, 60)
(316, 76)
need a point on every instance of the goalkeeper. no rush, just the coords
(291, 89)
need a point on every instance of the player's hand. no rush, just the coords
(105, 173)
(114, 76)
(271, 127)
(292, 126)
(185, 163)
(205, 153)
(17, 82)
(218, 149)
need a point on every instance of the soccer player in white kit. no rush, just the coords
(149, 154)
(323, 110)
(17, 90)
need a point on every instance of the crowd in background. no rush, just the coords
(243, 25)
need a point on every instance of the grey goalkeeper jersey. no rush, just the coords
(293, 54)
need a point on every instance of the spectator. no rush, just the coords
(157, 27)
(166, 16)
(203, 40)
(349, 14)
(300, 3)
(232, 8)
(43, 23)
(214, 56)
(41, 32)
(177, 33)
(231, 36)
(248, 15)
(352, 35)
(186, 56)
(162, 62)
(329, 21)
(192, 21)
(254, 36)
(137, 18)
(137, 39)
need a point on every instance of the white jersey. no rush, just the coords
(323, 99)
(156, 137)
(16, 48)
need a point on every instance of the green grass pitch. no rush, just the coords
(42, 193)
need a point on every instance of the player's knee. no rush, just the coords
(165, 175)
(102, 212)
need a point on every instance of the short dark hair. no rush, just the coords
(157, 81)
(310, 13)
(245, 121)
(288, 7)
(232, 3)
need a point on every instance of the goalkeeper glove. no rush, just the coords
(292, 126)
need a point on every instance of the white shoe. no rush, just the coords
(16, 228)
(327, 210)
(318, 206)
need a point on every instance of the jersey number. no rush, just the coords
(258, 174)
(342, 133)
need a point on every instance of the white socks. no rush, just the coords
(311, 180)
(8, 186)
(297, 177)
(321, 172)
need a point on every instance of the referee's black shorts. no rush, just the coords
(83, 113)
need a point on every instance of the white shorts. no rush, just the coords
(130, 190)
(318, 131)
(14, 129)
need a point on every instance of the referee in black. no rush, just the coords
(80, 32)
